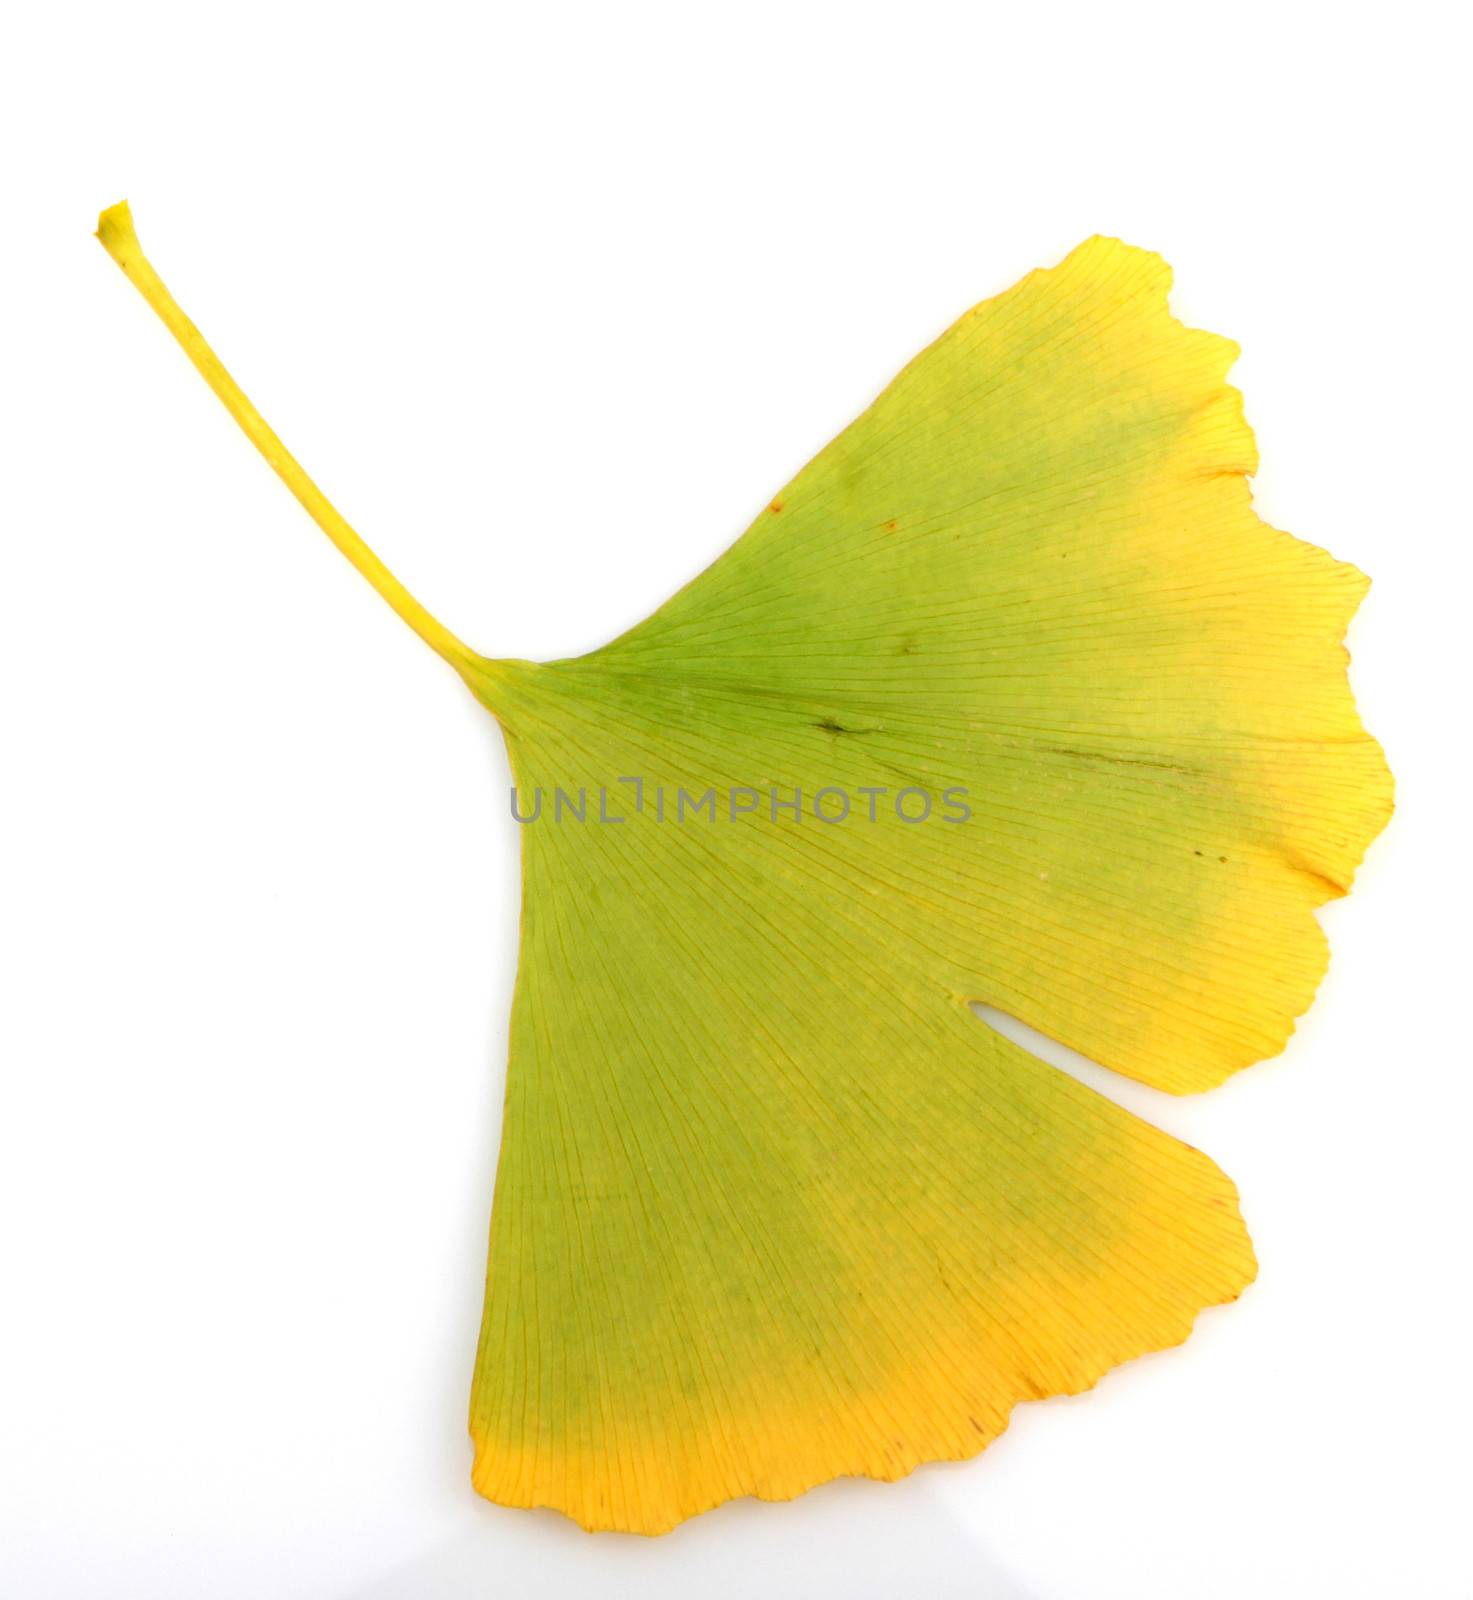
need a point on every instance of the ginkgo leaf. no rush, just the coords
(772, 1204)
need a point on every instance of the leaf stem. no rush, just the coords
(116, 233)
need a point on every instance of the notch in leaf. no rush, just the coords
(772, 1204)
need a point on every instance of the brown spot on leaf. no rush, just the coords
(775, 507)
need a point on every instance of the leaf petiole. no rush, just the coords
(116, 233)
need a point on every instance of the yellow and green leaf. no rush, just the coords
(772, 1204)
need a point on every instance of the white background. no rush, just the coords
(551, 299)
